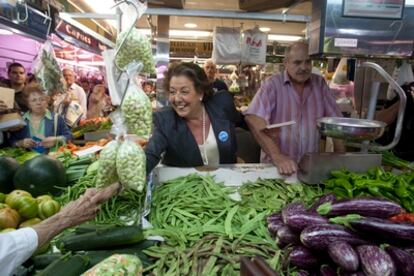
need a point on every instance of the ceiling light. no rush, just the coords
(5, 32)
(190, 25)
(275, 37)
(264, 29)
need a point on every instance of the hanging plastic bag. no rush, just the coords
(106, 173)
(131, 166)
(136, 48)
(254, 46)
(47, 70)
(226, 45)
(137, 111)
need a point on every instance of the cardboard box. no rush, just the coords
(11, 120)
(7, 96)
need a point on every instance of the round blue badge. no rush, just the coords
(223, 136)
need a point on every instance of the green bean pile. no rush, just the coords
(206, 232)
(123, 209)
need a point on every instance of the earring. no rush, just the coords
(201, 99)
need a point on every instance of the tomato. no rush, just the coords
(9, 218)
(43, 198)
(30, 222)
(27, 207)
(2, 197)
(48, 208)
(13, 197)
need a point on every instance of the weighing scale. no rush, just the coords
(359, 133)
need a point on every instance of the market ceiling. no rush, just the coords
(291, 7)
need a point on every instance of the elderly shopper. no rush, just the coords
(43, 127)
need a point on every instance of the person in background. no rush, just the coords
(210, 69)
(293, 95)
(76, 93)
(17, 246)
(17, 81)
(149, 89)
(41, 124)
(198, 128)
(98, 101)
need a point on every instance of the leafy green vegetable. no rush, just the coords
(345, 220)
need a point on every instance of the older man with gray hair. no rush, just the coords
(293, 95)
(210, 68)
(76, 92)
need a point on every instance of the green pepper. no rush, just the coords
(401, 188)
(340, 174)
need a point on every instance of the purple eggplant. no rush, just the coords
(326, 270)
(292, 208)
(274, 222)
(303, 257)
(375, 261)
(384, 228)
(370, 207)
(320, 236)
(285, 235)
(299, 221)
(344, 255)
(403, 260)
(346, 273)
(323, 199)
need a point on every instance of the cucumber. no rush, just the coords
(42, 261)
(105, 238)
(66, 265)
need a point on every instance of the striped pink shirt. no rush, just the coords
(277, 101)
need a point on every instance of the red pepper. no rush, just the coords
(403, 217)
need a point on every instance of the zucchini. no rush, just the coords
(87, 228)
(105, 238)
(42, 261)
(66, 265)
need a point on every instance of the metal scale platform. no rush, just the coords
(358, 133)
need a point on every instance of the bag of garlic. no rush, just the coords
(131, 166)
(137, 111)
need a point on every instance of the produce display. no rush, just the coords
(344, 235)
(207, 232)
(131, 166)
(118, 264)
(8, 167)
(137, 47)
(91, 125)
(19, 209)
(21, 155)
(389, 159)
(376, 182)
(106, 173)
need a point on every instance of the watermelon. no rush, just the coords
(8, 167)
(41, 175)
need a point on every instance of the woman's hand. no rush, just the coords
(26, 143)
(49, 142)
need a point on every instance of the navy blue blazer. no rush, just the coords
(173, 139)
(62, 130)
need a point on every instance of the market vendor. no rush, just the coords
(293, 95)
(41, 124)
(17, 81)
(211, 71)
(198, 128)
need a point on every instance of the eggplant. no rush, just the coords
(344, 256)
(292, 208)
(384, 228)
(285, 235)
(274, 222)
(326, 270)
(299, 221)
(370, 207)
(320, 236)
(323, 199)
(375, 261)
(403, 260)
(303, 257)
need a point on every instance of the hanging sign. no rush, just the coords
(387, 9)
(78, 37)
(189, 49)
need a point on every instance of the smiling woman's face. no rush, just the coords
(183, 97)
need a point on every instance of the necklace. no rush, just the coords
(205, 159)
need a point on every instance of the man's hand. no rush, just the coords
(3, 107)
(285, 165)
(26, 143)
(49, 142)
